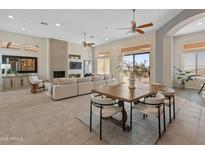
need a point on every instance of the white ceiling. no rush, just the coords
(73, 23)
(192, 27)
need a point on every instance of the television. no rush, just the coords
(75, 65)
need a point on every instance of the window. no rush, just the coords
(142, 58)
(190, 62)
(128, 59)
(137, 58)
(194, 62)
(103, 66)
(201, 63)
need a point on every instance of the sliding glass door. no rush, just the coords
(143, 59)
(194, 62)
(138, 59)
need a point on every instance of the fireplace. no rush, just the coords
(58, 74)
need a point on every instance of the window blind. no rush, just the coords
(137, 48)
(193, 46)
(104, 54)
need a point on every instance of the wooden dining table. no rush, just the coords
(122, 93)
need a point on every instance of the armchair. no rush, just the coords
(36, 83)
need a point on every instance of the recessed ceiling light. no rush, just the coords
(199, 23)
(106, 39)
(57, 24)
(23, 29)
(10, 17)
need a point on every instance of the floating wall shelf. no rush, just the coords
(10, 45)
(31, 47)
(72, 56)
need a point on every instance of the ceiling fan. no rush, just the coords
(85, 44)
(137, 29)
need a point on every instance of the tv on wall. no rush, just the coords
(75, 65)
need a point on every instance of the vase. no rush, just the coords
(131, 81)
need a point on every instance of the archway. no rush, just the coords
(164, 43)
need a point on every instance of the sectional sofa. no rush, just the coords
(69, 87)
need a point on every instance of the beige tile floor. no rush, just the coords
(27, 118)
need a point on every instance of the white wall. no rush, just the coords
(177, 48)
(168, 61)
(25, 39)
(115, 52)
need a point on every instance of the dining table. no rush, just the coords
(123, 93)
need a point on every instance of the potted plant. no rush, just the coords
(133, 71)
(184, 76)
(141, 70)
(12, 72)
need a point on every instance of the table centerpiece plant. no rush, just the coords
(133, 72)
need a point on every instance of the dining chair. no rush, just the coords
(154, 107)
(170, 96)
(104, 108)
(202, 87)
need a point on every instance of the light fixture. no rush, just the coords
(106, 39)
(57, 24)
(44, 23)
(10, 17)
(199, 23)
(23, 29)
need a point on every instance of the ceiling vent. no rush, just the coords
(44, 23)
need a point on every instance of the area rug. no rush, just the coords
(144, 131)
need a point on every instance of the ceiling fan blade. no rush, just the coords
(91, 44)
(140, 31)
(145, 25)
(123, 28)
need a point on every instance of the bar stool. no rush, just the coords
(170, 96)
(104, 108)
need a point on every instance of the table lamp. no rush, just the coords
(5, 67)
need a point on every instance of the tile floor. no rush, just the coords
(27, 118)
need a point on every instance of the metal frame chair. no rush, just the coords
(169, 95)
(202, 87)
(102, 103)
(153, 102)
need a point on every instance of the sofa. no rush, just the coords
(85, 85)
(70, 87)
